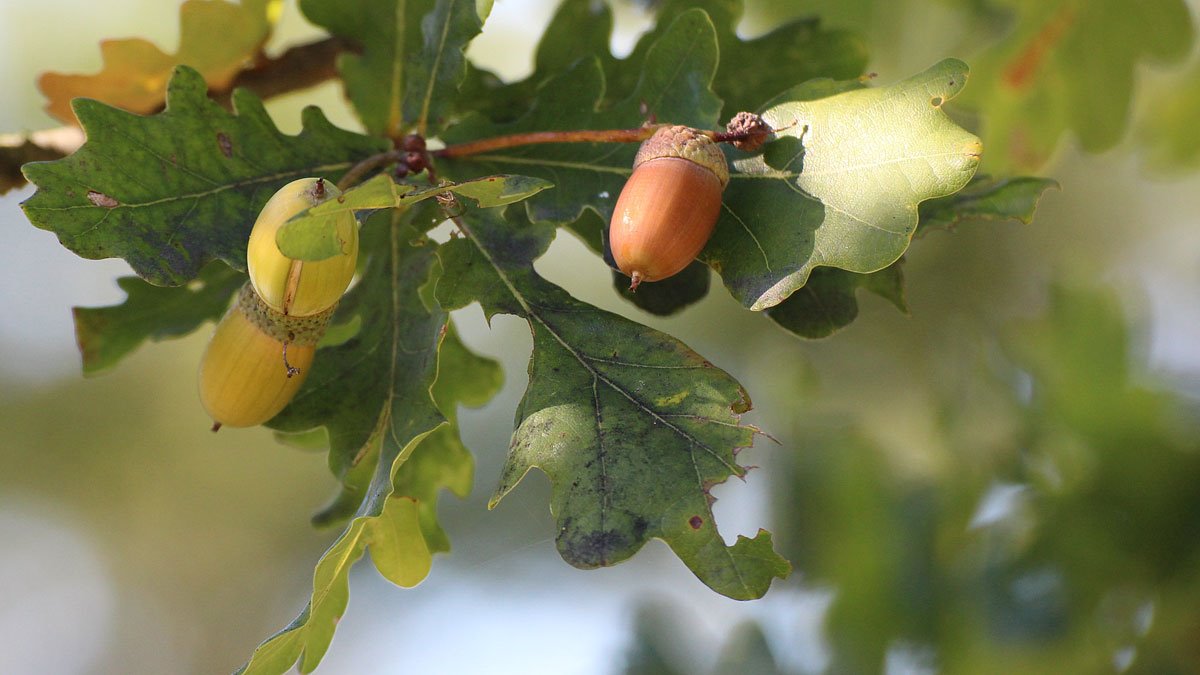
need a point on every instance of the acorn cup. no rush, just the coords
(264, 346)
(669, 205)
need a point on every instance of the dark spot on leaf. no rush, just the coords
(101, 199)
(592, 549)
(696, 522)
(225, 144)
(639, 527)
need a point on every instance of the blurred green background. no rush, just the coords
(1008, 480)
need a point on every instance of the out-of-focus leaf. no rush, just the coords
(217, 38)
(1068, 66)
(985, 198)
(312, 235)
(107, 334)
(857, 527)
(410, 61)
(170, 192)
(632, 427)
(674, 85)
(841, 184)
(656, 635)
(827, 303)
(747, 651)
(1168, 132)
(380, 412)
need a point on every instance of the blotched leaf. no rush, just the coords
(312, 235)
(106, 334)
(841, 184)
(674, 86)
(827, 303)
(410, 60)
(1068, 67)
(375, 396)
(986, 198)
(170, 192)
(632, 427)
(217, 38)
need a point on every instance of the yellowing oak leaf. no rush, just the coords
(216, 38)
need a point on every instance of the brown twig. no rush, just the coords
(297, 68)
(357, 172)
(538, 137)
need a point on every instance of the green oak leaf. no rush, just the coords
(632, 427)
(845, 192)
(107, 334)
(764, 66)
(1068, 66)
(674, 86)
(396, 518)
(792, 53)
(985, 198)
(410, 61)
(378, 381)
(827, 303)
(172, 191)
(312, 234)
(579, 29)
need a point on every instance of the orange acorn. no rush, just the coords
(669, 205)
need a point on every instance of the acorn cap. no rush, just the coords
(686, 143)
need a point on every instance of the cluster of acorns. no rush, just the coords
(265, 344)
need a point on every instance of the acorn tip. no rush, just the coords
(216, 427)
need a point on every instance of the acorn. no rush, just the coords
(264, 346)
(669, 205)
(256, 361)
(298, 287)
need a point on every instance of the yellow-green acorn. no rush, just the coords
(264, 346)
(297, 287)
(669, 205)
